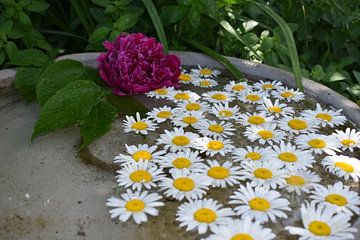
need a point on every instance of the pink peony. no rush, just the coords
(136, 63)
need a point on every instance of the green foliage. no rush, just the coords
(26, 81)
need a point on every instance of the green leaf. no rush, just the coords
(346, 61)
(354, 90)
(194, 17)
(29, 57)
(17, 31)
(26, 80)
(127, 104)
(99, 34)
(172, 13)
(2, 57)
(357, 76)
(317, 73)
(34, 38)
(68, 106)
(37, 6)
(97, 123)
(102, 3)
(6, 26)
(266, 44)
(24, 20)
(249, 25)
(11, 49)
(149, 5)
(57, 76)
(336, 76)
(126, 21)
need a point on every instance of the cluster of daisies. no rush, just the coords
(196, 152)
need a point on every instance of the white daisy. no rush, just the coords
(183, 96)
(255, 119)
(337, 196)
(349, 139)
(292, 158)
(267, 85)
(252, 97)
(268, 174)
(136, 205)
(224, 112)
(192, 107)
(215, 129)
(222, 175)
(161, 114)
(324, 117)
(203, 214)
(260, 203)
(317, 143)
(301, 181)
(237, 87)
(187, 185)
(205, 72)
(186, 78)
(342, 166)
(218, 97)
(276, 109)
(186, 119)
(288, 94)
(297, 125)
(243, 229)
(141, 152)
(138, 125)
(264, 134)
(161, 93)
(177, 139)
(189, 160)
(320, 223)
(211, 147)
(252, 154)
(139, 174)
(205, 83)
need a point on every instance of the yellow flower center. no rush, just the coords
(161, 91)
(215, 145)
(184, 184)
(193, 106)
(226, 113)
(238, 87)
(182, 96)
(139, 126)
(324, 116)
(135, 205)
(317, 143)
(256, 120)
(181, 163)
(275, 109)
(142, 154)
(295, 180)
(205, 215)
(336, 199)
(263, 173)
(185, 77)
(267, 86)
(253, 97)
(319, 228)
(259, 204)
(287, 95)
(219, 97)
(205, 71)
(242, 236)
(297, 124)
(205, 83)
(265, 134)
(190, 120)
(344, 166)
(218, 172)
(140, 176)
(253, 156)
(164, 114)
(288, 157)
(216, 128)
(181, 141)
(348, 142)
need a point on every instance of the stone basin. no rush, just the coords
(48, 191)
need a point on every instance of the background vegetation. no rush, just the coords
(326, 32)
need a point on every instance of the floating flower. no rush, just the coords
(224, 112)
(161, 114)
(252, 154)
(205, 83)
(203, 214)
(252, 97)
(136, 205)
(187, 119)
(264, 134)
(141, 152)
(192, 107)
(218, 97)
(342, 166)
(183, 96)
(255, 119)
(205, 72)
(160, 93)
(297, 125)
(276, 109)
(138, 124)
(211, 147)
(320, 222)
(259, 203)
(186, 78)
(215, 129)
(267, 85)
(288, 94)
(135, 64)
(301, 181)
(324, 117)
(237, 87)
(317, 143)
(177, 139)
(349, 139)
(337, 196)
